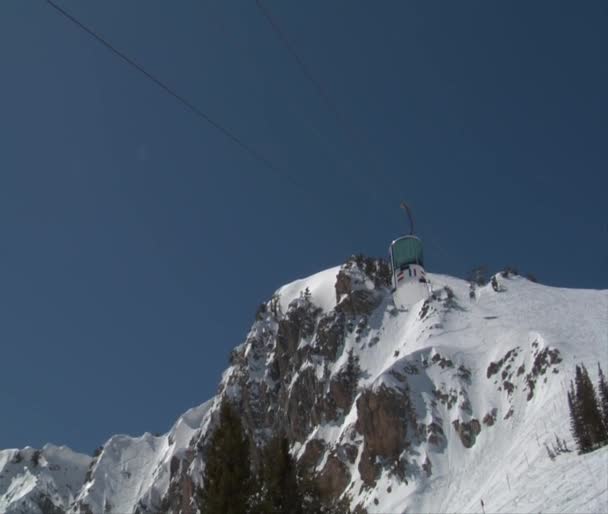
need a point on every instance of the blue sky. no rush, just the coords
(136, 242)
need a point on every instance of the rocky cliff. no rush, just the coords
(434, 408)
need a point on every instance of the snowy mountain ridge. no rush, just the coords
(451, 404)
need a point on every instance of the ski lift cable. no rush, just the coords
(362, 190)
(408, 213)
(269, 165)
(180, 98)
(305, 70)
(355, 139)
(331, 106)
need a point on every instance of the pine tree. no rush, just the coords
(478, 276)
(311, 496)
(36, 458)
(585, 442)
(307, 294)
(281, 492)
(588, 427)
(383, 273)
(227, 483)
(352, 371)
(359, 260)
(575, 424)
(603, 390)
(590, 410)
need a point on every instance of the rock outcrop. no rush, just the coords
(368, 396)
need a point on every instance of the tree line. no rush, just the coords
(588, 410)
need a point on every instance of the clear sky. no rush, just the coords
(136, 241)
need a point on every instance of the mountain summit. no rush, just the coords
(445, 406)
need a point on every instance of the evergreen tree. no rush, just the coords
(370, 267)
(281, 492)
(588, 427)
(352, 372)
(359, 260)
(575, 422)
(603, 390)
(307, 294)
(384, 274)
(311, 497)
(227, 483)
(478, 276)
(590, 411)
(584, 435)
(36, 458)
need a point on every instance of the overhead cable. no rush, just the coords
(321, 91)
(184, 101)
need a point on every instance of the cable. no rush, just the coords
(229, 134)
(356, 141)
(190, 106)
(283, 37)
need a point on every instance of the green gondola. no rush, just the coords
(410, 283)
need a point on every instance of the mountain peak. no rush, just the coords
(433, 407)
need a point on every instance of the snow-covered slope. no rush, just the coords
(507, 467)
(126, 473)
(35, 481)
(452, 403)
(133, 472)
(499, 365)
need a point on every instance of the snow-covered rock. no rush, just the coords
(432, 409)
(38, 481)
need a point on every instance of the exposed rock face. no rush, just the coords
(344, 284)
(299, 323)
(330, 336)
(341, 392)
(181, 495)
(467, 431)
(312, 453)
(382, 421)
(428, 466)
(356, 291)
(301, 386)
(364, 393)
(359, 302)
(333, 478)
(543, 360)
(300, 393)
(305, 404)
(435, 433)
(490, 418)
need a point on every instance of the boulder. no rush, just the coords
(467, 431)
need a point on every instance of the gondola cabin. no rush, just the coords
(410, 284)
